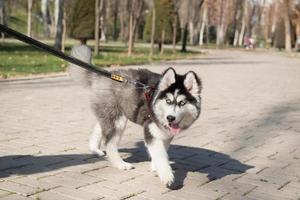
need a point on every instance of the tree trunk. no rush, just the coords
(134, 19)
(130, 42)
(204, 21)
(244, 22)
(207, 34)
(174, 34)
(45, 16)
(115, 31)
(287, 26)
(2, 16)
(297, 42)
(236, 32)
(162, 41)
(221, 24)
(59, 15)
(29, 13)
(153, 29)
(97, 16)
(191, 27)
(64, 31)
(184, 38)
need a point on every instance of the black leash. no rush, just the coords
(87, 66)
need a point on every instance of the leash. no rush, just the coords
(71, 59)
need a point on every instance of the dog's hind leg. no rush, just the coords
(112, 142)
(96, 140)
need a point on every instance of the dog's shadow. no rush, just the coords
(187, 159)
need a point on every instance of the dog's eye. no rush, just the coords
(181, 103)
(168, 101)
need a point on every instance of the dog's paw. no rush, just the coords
(98, 152)
(152, 167)
(167, 178)
(124, 166)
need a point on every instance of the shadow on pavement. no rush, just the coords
(29, 164)
(186, 159)
(192, 159)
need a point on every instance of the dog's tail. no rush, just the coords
(78, 74)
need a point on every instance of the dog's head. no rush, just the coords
(177, 102)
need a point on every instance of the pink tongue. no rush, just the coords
(174, 128)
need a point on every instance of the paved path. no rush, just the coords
(244, 146)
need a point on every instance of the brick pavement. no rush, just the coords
(244, 146)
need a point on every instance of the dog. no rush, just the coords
(172, 106)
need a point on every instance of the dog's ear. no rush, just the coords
(192, 83)
(168, 78)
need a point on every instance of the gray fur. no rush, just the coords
(78, 74)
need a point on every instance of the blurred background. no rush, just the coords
(123, 32)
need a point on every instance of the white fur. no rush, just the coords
(191, 84)
(167, 80)
(112, 146)
(96, 140)
(157, 132)
(158, 152)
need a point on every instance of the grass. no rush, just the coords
(18, 59)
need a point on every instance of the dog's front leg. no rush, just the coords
(160, 162)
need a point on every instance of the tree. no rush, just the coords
(97, 20)
(153, 24)
(45, 17)
(296, 23)
(185, 16)
(135, 12)
(203, 22)
(2, 15)
(29, 14)
(236, 25)
(244, 23)
(59, 15)
(221, 22)
(287, 24)
(81, 20)
(161, 28)
(124, 19)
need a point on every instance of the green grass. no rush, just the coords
(18, 59)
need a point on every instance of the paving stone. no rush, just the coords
(18, 188)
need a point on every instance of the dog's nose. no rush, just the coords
(171, 118)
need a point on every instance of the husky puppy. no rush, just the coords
(174, 105)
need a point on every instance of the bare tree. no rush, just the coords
(236, 22)
(296, 23)
(221, 22)
(114, 8)
(97, 20)
(203, 22)
(29, 14)
(45, 17)
(244, 23)
(186, 12)
(287, 24)
(124, 7)
(136, 9)
(64, 30)
(174, 32)
(153, 27)
(59, 15)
